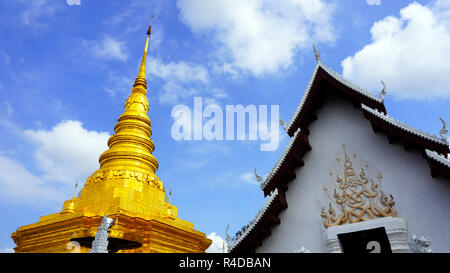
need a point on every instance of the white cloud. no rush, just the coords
(5, 58)
(181, 71)
(373, 2)
(410, 53)
(132, 14)
(63, 154)
(19, 186)
(177, 76)
(217, 245)
(107, 48)
(249, 178)
(183, 80)
(68, 151)
(260, 35)
(8, 107)
(6, 250)
(118, 85)
(38, 10)
(73, 2)
(173, 93)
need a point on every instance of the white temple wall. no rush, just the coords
(422, 201)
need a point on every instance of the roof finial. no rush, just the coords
(383, 92)
(140, 79)
(316, 53)
(258, 178)
(227, 237)
(443, 132)
(149, 31)
(283, 124)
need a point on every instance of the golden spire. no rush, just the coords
(126, 186)
(131, 147)
(126, 179)
(140, 79)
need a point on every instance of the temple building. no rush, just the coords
(352, 179)
(126, 189)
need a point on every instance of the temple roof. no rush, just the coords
(275, 185)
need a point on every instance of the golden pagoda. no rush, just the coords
(126, 189)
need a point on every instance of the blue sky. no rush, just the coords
(66, 68)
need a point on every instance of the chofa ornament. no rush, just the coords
(283, 124)
(227, 237)
(356, 199)
(443, 132)
(383, 91)
(259, 178)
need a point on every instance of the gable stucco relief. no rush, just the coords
(354, 191)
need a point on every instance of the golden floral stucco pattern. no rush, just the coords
(355, 197)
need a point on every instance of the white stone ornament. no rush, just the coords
(420, 244)
(100, 243)
(302, 250)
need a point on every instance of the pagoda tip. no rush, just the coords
(149, 31)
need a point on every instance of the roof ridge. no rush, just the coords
(256, 219)
(281, 159)
(438, 157)
(350, 84)
(305, 95)
(402, 125)
(337, 77)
